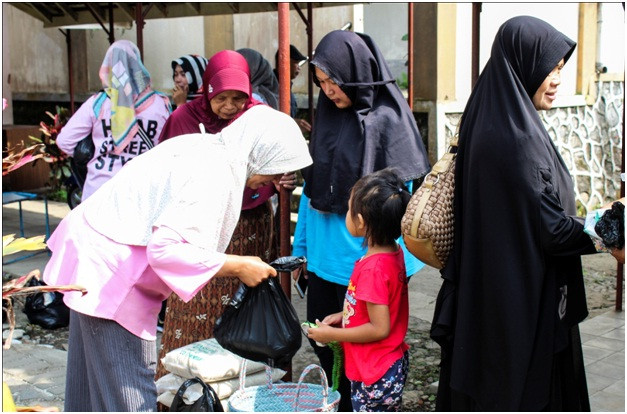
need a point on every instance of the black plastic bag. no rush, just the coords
(260, 323)
(46, 309)
(208, 401)
(611, 226)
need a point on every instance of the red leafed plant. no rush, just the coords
(44, 147)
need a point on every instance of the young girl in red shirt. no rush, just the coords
(374, 321)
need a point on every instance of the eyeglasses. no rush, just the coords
(556, 74)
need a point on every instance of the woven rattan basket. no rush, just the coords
(284, 396)
(428, 223)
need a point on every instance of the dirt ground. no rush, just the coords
(600, 276)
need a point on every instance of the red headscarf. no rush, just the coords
(226, 70)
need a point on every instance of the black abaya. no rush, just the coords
(507, 313)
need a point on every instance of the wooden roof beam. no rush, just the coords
(162, 7)
(97, 12)
(127, 10)
(43, 13)
(194, 6)
(68, 10)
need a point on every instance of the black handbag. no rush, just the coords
(84, 151)
(208, 401)
(46, 309)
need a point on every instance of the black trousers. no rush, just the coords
(325, 298)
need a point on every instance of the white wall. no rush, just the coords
(612, 45)
(38, 61)
(562, 16)
(166, 40)
(386, 23)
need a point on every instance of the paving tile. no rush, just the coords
(606, 343)
(615, 314)
(616, 359)
(597, 383)
(605, 402)
(618, 333)
(593, 353)
(600, 325)
(607, 370)
(26, 392)
(617, 388)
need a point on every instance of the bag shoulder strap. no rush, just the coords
(100, 98)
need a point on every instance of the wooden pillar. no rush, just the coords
(218, 34)
(434, 30)
(434, 51)
(7, 114)
(139, 28)
(587, 51)
(476, 30)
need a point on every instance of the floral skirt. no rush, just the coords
(185, 323)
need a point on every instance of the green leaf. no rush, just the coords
(405, 37)
(66, 171)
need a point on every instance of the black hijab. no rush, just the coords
(261, 76)
(377, 131)
(498, 317)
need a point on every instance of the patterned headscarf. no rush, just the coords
(127, 83)
(194, 67)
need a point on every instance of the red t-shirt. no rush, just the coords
(380, 279)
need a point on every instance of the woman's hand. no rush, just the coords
(288, 181)
(609, 205)
(303, 125)
(179, 95)
(251, 270)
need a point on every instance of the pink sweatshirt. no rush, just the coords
(126, 283)
(105, 163)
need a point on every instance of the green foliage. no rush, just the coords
(403, 81)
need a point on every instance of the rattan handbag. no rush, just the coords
(428, 223)
(285, 396)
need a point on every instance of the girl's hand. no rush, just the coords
(288, 181)
(333, 319)
(179, 95)
(323, 333)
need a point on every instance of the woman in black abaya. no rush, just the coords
(508, 311)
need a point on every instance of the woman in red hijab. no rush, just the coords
(227, 95)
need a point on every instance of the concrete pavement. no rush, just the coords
(36, 373)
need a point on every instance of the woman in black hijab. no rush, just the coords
(363, 124)
(508, 311)
(265, 84)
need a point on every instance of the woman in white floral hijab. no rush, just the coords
(161, 225)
